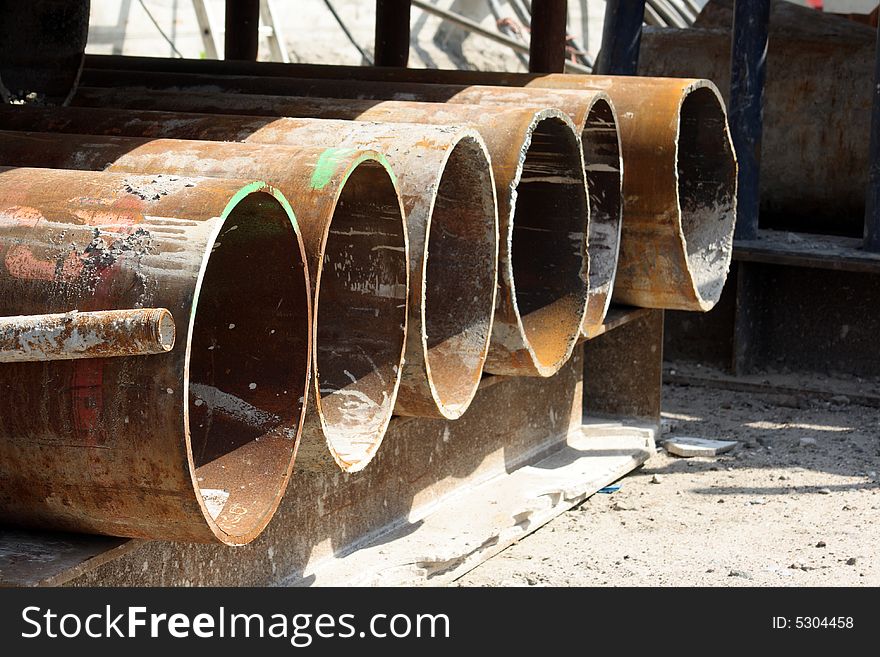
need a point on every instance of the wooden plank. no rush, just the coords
(799, 385)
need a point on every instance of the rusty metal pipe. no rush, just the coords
(537, 164)
(679, 188)
(685, 269)
(592, 112)
(508, 134)
(101, 334)
(349, 210)
(196, 444)
(446, 182)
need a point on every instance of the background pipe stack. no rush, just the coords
(195, 442)
(448, 190)
(693, 234)
(542, 200)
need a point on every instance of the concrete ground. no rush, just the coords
(795, 504)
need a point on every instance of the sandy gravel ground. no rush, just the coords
(796, 504)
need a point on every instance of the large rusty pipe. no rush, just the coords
(537, 166)
(448, 190)
(348, 208)
(196, 444)
(72, 335)
(592, 112)
(686, 267)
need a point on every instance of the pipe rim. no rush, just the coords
(605, 189)
(358, 458)
(269, 506)
(566, 332)
(453, 403)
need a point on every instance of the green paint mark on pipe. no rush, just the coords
(327, 164)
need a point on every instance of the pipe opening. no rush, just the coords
(248, 365)
(602, 164)
(460, 275)
(706, 191)
(361, 315)
(550, 266)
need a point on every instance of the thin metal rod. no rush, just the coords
(100, 334)
(476, 28)
(242, 38)
(621, 37)
(872, 202)
(547, 46)
(392, 32)
(748, 55)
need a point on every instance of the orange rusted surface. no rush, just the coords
(100, 334)
(194, 444)
(349, 209)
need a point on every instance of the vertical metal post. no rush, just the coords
(621, 37)
(872, 202)
(748, 61)
(242, 38)
(392, 32)
(547, 45)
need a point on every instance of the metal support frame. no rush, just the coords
(748, 65)
(872, 201)
(621, 37)
(392, 32)
(242, 38)
(547, 45)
